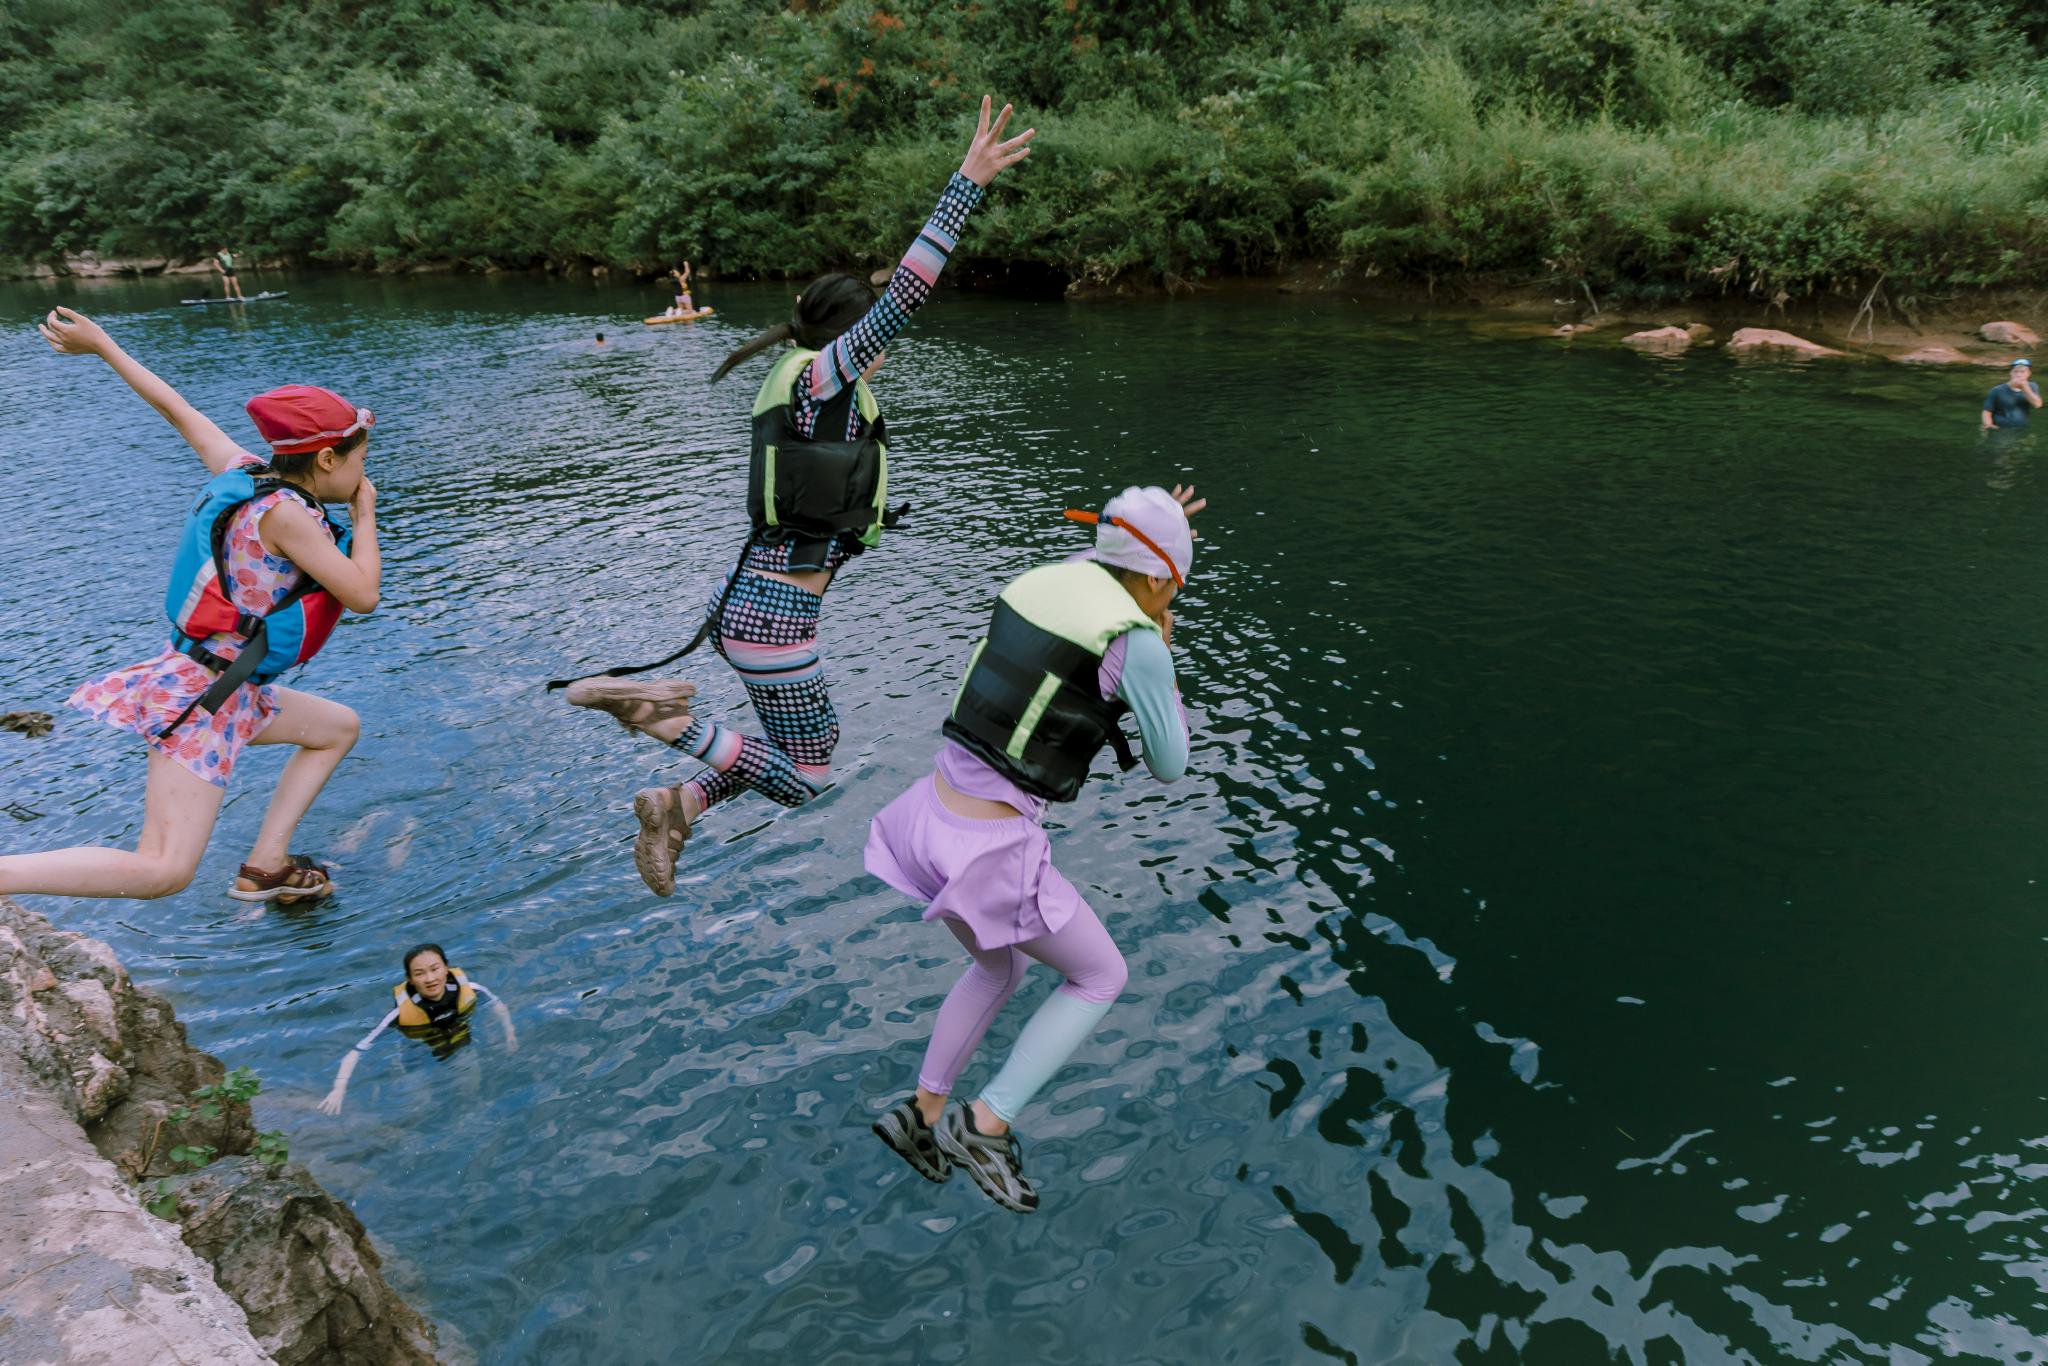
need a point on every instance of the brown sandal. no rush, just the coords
(29, 723)
(664, 829)
(634, 702)
(301, 879)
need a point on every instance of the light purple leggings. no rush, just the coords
(1095, 974)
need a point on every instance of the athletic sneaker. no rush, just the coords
(996, 1164)
(904, 1130)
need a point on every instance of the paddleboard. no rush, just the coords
(251, 299)
(680, 317)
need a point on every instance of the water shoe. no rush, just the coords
(996, 1164)
(904, 1130)
(664, 828)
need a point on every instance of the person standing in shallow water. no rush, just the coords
(257, 551)
(1071, 647)
(2006, 405)
(817, 497)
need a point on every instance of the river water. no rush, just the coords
(1604, 916)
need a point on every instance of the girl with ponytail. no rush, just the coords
(814, 409)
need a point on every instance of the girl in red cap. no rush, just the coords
(267, 575)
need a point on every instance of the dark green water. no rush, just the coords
(1605, 917)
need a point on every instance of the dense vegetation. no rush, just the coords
(1756, 144)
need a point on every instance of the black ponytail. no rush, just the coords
(832, 304)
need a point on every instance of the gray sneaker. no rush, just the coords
(904, 1130)
(996, 1164)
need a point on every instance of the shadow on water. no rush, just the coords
(1602, 918)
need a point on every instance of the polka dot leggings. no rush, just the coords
(769, 636)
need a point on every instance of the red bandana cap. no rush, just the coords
(304, 417)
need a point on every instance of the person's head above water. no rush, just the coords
(317, 438)
(426, 970)
(827, 308)
(600, 339)
(1145, 533)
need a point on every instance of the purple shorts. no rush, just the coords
(994, 877)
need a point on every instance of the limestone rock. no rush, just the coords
(300, 1265)
(1698, 331)
(1660, 339)
(2009, 334)
(1770, 339)
(1934, 354)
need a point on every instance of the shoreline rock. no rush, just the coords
(96, 1082)
(1771, 339)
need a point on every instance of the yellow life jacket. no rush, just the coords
(409, 1012)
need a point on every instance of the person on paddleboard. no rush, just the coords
(684, 304)
(1071, 648)
(261, 576)
(224, 265)
(433, 1005)
(817, 490)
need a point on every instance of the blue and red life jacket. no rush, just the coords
(289, 634)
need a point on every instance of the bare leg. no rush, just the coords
(178, 814)
(324, 731)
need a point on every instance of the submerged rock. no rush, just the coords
(1661, 339)
(1770, 339)
(1934, 354)
(2009, 334)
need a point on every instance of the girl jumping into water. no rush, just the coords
(432, 1004)
(260, 579)
(817, 492)
(1071, 647)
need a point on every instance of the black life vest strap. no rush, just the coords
(715, 620)
(1120, 746)
(233, 673)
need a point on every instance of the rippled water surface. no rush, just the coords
(1604, 918)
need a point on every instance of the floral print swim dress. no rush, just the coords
(146, 697)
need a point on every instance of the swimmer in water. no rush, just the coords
(2006, 405)
(1071, 648)
(433, 1003)
(600, 339)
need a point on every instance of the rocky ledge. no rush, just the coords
(251, 1260)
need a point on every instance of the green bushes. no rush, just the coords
(1711, 144)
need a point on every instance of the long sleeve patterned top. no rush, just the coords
(842, 362)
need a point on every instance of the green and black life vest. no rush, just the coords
(1031, 706)
(817, 489)
(226, 260)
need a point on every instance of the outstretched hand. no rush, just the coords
(988, 155)
(1190, 505)
(70, 332)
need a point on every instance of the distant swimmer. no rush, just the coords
(224, 265)
(1070, 649)
(433, 1005)
(2006, 405)
(260, 578)
(600, 339)
(816, 498)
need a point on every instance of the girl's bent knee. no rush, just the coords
(1102, 982)
(161, 879)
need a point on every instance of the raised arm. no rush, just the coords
(331, 1104)
(72, 333)
(855, 349)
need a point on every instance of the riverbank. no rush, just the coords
(148, 1219)
(1872, 323)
